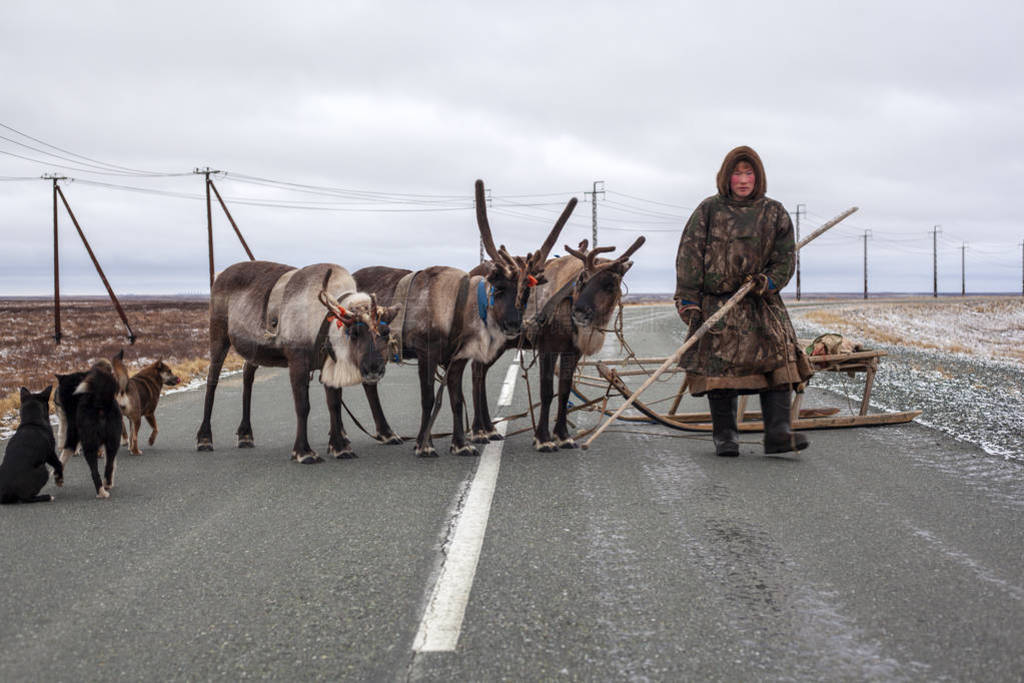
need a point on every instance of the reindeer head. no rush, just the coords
(510, 279)
(599, 286)
(359, 333)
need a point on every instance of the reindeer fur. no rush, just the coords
(239, 318)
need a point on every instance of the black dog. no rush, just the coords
(66, 404)
(97, 423)
(23, 473)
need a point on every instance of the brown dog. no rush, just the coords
(138, 398)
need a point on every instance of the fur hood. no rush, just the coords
(742, 153)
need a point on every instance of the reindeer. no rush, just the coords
(451, 318)
(566, 319)
(305, 319)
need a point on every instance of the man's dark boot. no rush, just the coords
(778, 438)
(723, 421)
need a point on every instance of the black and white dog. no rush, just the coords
(96, 424)
(23, 473)
(65, 403)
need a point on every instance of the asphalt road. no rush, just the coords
(892, 553)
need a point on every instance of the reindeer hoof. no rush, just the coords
(310, 458)
(389, 440)
(568, 442)
(545, 446)
(345, 453)
(204, 445)
(246, 442)
(102, 493)
(479, 437)
(467, 449)
(135, 452)
(59, 481)
(425, 452)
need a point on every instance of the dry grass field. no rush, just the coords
(991, 326)
(173, 329)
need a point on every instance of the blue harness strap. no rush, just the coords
(483, 301)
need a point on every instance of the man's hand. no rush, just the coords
(762, 284)
(688, 313)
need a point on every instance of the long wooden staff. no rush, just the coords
(702, 330)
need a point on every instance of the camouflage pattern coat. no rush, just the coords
(753, 347)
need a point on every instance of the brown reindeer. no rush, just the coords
(305, 319)
(566, 319)
(452, 317)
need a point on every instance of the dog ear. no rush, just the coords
(45, 394)
(25, 393)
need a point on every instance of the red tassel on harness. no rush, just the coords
(531, 281)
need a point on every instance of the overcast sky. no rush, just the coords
(386, 112)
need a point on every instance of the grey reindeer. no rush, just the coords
(452, 318)
(305, 319)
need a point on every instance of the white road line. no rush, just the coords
(442, 622)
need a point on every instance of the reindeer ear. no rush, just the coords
(623, 266)
(388, 314)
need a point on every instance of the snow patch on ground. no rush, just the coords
(959, 362)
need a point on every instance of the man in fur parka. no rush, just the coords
(735, 236)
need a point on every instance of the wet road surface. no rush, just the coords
(891, 553)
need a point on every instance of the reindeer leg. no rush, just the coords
(566, 368)
(244, 431)
(454, 381)
(298, 371)
(219, 345)
(542, 440)
(483, 426)
(384, 434)
(424, 444)
(339, 445)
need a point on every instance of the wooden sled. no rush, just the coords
(814, 418)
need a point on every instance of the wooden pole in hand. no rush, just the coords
(701, 331)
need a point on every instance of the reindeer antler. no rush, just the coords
(624, 256)
(536, 262)
(580, 252)
(483, 224)
(592, 254)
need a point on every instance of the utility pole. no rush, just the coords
(800, 209)
(935, 261)
(867, 234)
(593, 208)
(56, 260)
(963, 270)
(209, 217)
(57, 192)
